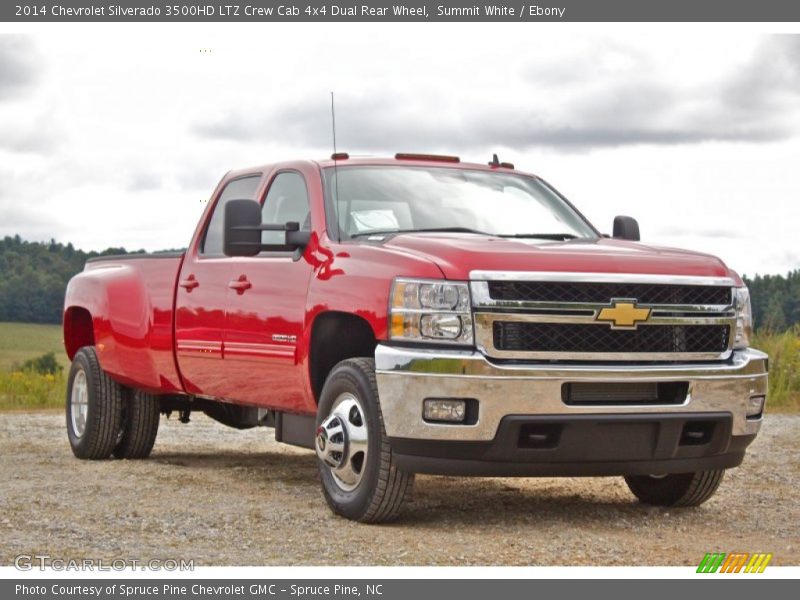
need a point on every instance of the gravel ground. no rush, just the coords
(226, 497)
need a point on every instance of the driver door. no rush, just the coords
(266, 309)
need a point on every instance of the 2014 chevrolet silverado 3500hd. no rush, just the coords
(421, 315)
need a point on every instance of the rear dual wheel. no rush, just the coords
(104, 417)
(140, 418)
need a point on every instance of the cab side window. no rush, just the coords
(243, 188)
(287, 200)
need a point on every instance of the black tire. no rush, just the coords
(140, 417)
(380, 493)
(679, 489)
(102, 420)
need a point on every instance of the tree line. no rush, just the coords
(776, 300)
(34, 276)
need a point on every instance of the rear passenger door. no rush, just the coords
(202, 296)
(266, 313)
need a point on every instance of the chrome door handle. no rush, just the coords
(241, 285)
(189, 283)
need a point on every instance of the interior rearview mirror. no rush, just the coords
(626, 228)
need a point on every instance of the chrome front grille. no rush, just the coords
(562, 337)
(583, 292)
(561, 316)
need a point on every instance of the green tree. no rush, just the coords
(776, 300)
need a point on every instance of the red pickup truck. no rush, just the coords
(421, 315)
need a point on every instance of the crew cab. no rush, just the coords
(419, 314)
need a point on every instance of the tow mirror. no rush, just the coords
(243, 227)
(626, 228)
(242, 235)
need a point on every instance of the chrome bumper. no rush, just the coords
(406, 376)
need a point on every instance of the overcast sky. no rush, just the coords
(117, 136)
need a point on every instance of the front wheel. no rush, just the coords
(360, 479)
(678, 489)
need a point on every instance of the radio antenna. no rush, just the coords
(335, 169)
(333, 126)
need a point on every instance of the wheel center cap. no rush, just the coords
(331, 442)
(322, 439)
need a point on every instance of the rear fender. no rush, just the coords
(131, 331)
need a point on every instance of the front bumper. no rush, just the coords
(584, 440)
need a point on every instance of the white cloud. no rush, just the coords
(19, 65)
(602, 94)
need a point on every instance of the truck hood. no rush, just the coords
(458, 254)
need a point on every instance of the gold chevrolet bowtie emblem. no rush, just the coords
(623, 314)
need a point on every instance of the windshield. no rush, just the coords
(387, 199)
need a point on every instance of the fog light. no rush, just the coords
(452, 411)
(755, 406)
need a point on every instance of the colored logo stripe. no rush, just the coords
(758, 563)
(711, 562)
(734, 562)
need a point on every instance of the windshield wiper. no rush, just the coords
(543, 236)
(428, 230)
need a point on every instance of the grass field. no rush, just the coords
(22, 341)
(784, 368)
(18, 343)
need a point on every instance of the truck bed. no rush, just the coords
(131, 302)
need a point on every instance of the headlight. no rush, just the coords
(430, 311)
(744, 318)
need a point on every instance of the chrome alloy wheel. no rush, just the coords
(342, 441)
(79, 403)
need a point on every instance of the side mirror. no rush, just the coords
(626, 228)
(242, 234)
(243, 227)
